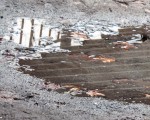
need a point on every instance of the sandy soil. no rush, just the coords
(23, 96)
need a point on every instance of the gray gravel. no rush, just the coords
(35, 103)
(69, 12)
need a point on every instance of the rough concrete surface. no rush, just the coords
(22, 97)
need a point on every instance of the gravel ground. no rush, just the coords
(22, 97)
